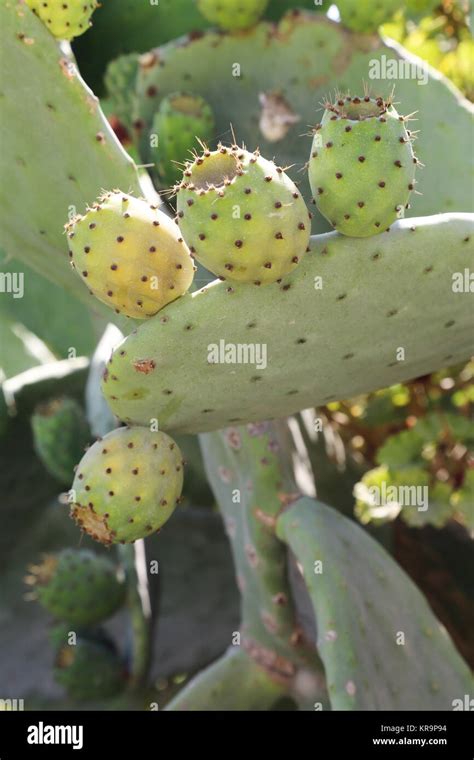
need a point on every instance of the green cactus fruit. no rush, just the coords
(366, 16)
(130, 255)
(233, 15)
(89, 670)
(60, 435)
(78, 586)
(120, 80)
(64, 20)
(181, 119)
(127, 484)
(362, 165)
(242, 217)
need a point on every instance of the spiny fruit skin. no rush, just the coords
(366, 16)
(130, 255)
(127, 485)
(233, 15)
(362, 165)
(78, 586)
(60, 435)
(65, 19)
(181, 118)
(242, 217)
(89, 670)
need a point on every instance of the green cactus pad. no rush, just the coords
(78, 586)
(89, 670)
(232, 15)
(71, 145)
(127, 485)
(64, 20)
(242, 216)
(361, 595)
(279, 76)
(362, 165)
(130, 255)
(180, 119)
(366, 16)
(348, 307)
(60, 434)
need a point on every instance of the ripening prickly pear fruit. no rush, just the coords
(365, 16)
(362, 165)
(127, 485)
(89, 670)
(78, 586)
(130, 255)
(232, 15)
(64, 18)
(180, 119)
(60, 435)
(242, 217)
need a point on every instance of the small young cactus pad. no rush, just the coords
(78, 586)
(130, 255)
(242, 216)
(180, 119)
(362, 165)
(127, 485)
(65, 19)
(232, 15)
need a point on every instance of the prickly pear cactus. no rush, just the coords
(60, 434)
(130, 255)
(232, 15)
(120, 82)
(365, 17)
(127, 485)
(64, 20)
(89, 670)
(362, 165)
(242, 216)
(181, 119)
(78, 586)
(347, 293)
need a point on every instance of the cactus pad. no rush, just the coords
(307, 340)
(242, 216)
(368, 15)
(127, 485)
(130, 255)
(360, 594)
(78, 586)
(362, 165)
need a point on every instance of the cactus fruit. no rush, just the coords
(233, 15)
(127, 485)
(362, 165)
(89, 670)
(78, 586)
(64, 20)
(365, 16)
(180, 119)
(120, 80)
(60, 434)
(242, 216)
(420, 7)
(130, 255)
